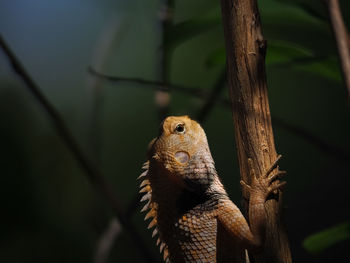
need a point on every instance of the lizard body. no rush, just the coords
(190, 209)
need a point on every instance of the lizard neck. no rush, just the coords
(177, 194)
(166, 188)
(216, 188)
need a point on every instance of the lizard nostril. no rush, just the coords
(182, 157)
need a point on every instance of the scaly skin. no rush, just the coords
(190, 209)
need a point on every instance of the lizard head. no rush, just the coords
(180, 140)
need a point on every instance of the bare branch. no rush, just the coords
(342, 39)
(212, 98)
(325, 147)
(106, 241)
(92, 174)
(158, 85)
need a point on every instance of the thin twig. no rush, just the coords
(341, 38)
(212, 98)
(106, 241)
(153, 84)
(196, 92)
(93, 175)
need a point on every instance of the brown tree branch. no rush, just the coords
(245, 56)
(92, 174)
(342, 39)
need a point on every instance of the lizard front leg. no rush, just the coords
(233, 220)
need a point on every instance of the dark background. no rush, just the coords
(49, 210)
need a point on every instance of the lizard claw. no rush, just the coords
(267, 183)
(276, 186)
(279, 174)
(273, 184)
(245, 185)
(273, 166)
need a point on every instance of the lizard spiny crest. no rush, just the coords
(151, 209)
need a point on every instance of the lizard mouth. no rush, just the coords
(182, 157)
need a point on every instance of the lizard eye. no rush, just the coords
(180, 128)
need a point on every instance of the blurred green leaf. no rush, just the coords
(273, 9)
(283, 51)
(322, 240)
(291, 23)
(327, 68)
(218, 57)
(291, 55)
(315, 8)
(181, 32)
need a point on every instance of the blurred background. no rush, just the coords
(49, 210)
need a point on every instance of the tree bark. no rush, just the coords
(342, 39)
(245, 52)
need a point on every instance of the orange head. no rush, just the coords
(179, 140)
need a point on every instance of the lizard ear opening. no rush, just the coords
(182, 157)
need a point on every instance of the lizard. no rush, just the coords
(190, 210)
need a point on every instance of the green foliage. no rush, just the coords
(217, 57)
(284, 49)
(282, 52)
(322, 67)
(319, 242)
(182, 32)
(314, 8)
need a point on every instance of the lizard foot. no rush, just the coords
(267, 183)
